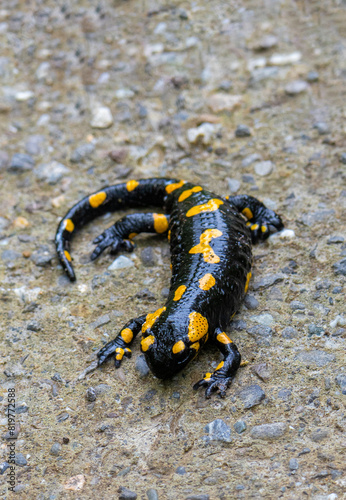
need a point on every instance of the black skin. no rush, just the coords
(220, 239)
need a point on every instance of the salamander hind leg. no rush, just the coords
(119, 347)
(224, 373)
(119, 236)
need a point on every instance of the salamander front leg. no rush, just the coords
(221, 378)
(120, 345)
(120, 235)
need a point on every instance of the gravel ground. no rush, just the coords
(243, 97)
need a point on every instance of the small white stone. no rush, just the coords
(296, 87)
(43, 120)
(205, 132)
(283, 59)
(155, 48)
(124, 94)
(264, 168)
(101, 117)
(121, 262)
(233, 184)
(43, 70)
(338, 321)
(265, 319)
(24, 95)
(223, 102)
(259, 62)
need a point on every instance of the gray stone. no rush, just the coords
(259, 74)
(323, 285)
(126, 494)
(296, 305)
(340, 267)
(4, 160)
(141, 366)
(264, 168)
(42, 257)
(268, 431)
(316, 357)
(3, 467)
(335, 240)
(248, 160)
(251, 396)
(91, 394)
(198, 497)
(33, 145)
(242, 131)
(343, 158)
(55, 449)
(152, 494)
(121, 262)
(20, 459)
(341, 381)
(248, 178)
(10, 255)
(319, 435)
(284, 394)
(315, 330)
(218, 430)
(101, 117)
(262, 371)
(296, 87)
(100, 321)
(148, 257)
(312, 218)
(322, 128)
(82, 152)
(21, 162)
(312, 76)
(34, 326)
(293, 464)
(289, 332)
(266, 42)
(233, 185)
(101, 389)
(239, 426)
(180, 470)
(51, 172)
(250, 302)
(260, 331)
(267, 281)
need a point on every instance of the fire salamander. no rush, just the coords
(210, 241)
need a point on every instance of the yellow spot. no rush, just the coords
(196, 346)
(227, 197)
(248, 223)
(189, 192)
(204, 247)
(67, 255)
(223, 338)
(169, 235)
(160, 223)
(146, 343)
(172, 187)
(220, 365)
(119, 353)
(131, 185)
(198, 326)
(264, 229)
(207, 376)
(69, 226)
(254, 227)
(207, 282)
(132, 235)
(248, 278)
(179, 292)
(211, 206)
(247, 212)
(126, 335)
(178, 347)
(151, 318)
(97, 199)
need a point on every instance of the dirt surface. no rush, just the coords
(161, 70)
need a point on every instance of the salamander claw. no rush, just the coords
(213, 384)
(109, 238)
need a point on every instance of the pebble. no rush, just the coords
(3, 467)
(81, 153)
(251, 396)
(267, 281)
(340, 267)
(284, 394)
(124, 93)
(33, 145)
(101, 117)
(23, 95)
(20, 459)
(51, 172)
(264, 168)
(75, 483)
(275, 294)
(4, 160)
(34, 326)
(293, 464)
(180, 470)
(334, 240)
(262, 371)
(141, 366)
(21, 162)
(338, 320)
(324, 284)
(233, 185)
(268, 431)
(55, 449)
(152, 494)
(343, 158)
(126, 494)
(289, 332)
(315, 357)
(260, 331)
(249, 179)
(148, 257)
(296, 87)
(250, 302)
(312, 77)
(239, 426)
(91, 394)
(121, 262)
(100, 321)
(341, 381)
(10, 255)
(296, 305)
(204, 133)
(218, 430)
(265, 319)
(242, 131)
(322, 128)
(266, 42)
(319, 435)
(197, 497)
(118, 155)
(42, 257)
(283, 59)
(224, 102)
(315, 330)
(248, 160)
(259, 74)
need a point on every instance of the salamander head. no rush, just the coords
(164, 352)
